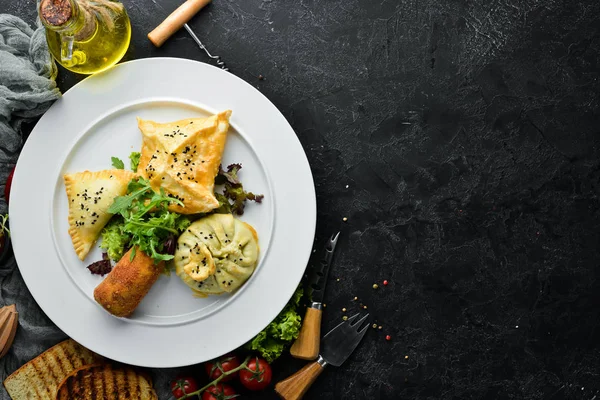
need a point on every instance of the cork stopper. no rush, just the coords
(56, 12)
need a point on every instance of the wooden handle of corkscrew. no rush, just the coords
(175, 21)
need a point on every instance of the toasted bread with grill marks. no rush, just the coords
(40, 378)
(106, 382)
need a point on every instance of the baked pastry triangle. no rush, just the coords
(90, 194)
(183, 158)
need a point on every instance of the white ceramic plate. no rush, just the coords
(95, 120)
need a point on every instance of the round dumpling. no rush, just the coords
(216, 254)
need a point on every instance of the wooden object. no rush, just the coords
(9, 320)
(294, 387)
(306, 347)
(175, 21)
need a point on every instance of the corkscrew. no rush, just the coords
(217, 59)
(178, 19)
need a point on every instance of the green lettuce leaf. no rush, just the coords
(114, 240)
(287, 325)
(279, 334)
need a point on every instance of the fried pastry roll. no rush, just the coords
(126, 285)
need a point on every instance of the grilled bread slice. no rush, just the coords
(40, 378)
(106, 382)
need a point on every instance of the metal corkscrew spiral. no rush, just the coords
(176, 20)
(217, 59)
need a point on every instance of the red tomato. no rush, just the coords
(8, 184)
(215, 368)
(183, 385)
(257, 376)
(219, 392)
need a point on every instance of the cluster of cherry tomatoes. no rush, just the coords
(255, 375)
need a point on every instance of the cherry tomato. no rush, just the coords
(8, 184)
(219, 392)
(215, 368)
(183, 385)
(257, 376)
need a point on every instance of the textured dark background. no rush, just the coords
(461, 140)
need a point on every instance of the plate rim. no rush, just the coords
(296, 146)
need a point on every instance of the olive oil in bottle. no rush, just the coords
(86, 36)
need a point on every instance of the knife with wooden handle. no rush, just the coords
(306, 347)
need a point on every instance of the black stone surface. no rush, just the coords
(461, 140)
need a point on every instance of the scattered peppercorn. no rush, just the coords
(385, 282)
(380, 327)
(406, 357)
(388, 337)
(344, 317)
(344, 219)
(365, 307)
(344, 309)
(355, 298)
(374, 326)
(375, 286)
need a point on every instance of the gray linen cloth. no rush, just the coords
(27, 90)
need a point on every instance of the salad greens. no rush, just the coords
(233, 190)
(114, 239)
(142, 218)
(280, 333)
(134, 159)
(146, 222)
(117, 163)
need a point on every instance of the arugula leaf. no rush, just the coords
(146, 220)
(117, 163)
(134, 159)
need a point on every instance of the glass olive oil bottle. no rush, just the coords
(86, 36)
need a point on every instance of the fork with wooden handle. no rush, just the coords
(336, 347)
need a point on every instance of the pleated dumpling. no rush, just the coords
(216, 254)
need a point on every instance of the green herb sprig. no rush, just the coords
(147, 220)
(117, 163)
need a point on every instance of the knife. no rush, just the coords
(338, 344)
(306, 346)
